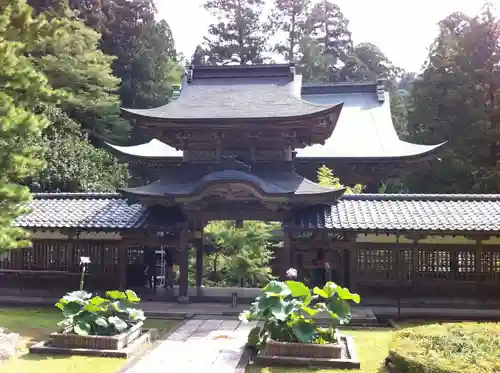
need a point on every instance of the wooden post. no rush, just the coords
(199, 268)
(122, 264)
(353, 267)
(70, 253)
(184, 263)
(478, 270)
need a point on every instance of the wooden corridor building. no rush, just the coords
(244, 143)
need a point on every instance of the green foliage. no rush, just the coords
(243, 254)
(241, 32)
(108, 315)
(455, 100)
(288, 309)
(327, 178)
(68, 53)
(74, 164)
(144, 49)
(448, 348)
(72, 61)
(23, 88)
(290, 16)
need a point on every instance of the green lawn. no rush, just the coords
(372, 347)
(36, 324)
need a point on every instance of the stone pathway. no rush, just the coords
(198, 346)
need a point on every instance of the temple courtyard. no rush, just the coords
(208, 338)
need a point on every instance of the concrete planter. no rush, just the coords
(96, 342)
(303, 350)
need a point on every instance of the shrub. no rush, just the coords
(448, 348)
(288, 309)
(108, 315)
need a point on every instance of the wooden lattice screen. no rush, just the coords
(428, 270)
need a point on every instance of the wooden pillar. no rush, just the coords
(184, 263)
(353, 267)
(287, 260)
(199, 268)
(477, 268)
(70, 253)
(122, 264)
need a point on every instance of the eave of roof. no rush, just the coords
(364, 130)
(404, 213)
(89, 212)
(399, 213)
(287, 184)
(154, 149)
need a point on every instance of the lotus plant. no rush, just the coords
(288, 311)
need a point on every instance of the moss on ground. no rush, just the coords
(448, 348)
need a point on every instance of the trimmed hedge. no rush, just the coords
(447, 348)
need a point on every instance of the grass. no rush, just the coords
(372, 347)
(35, 325)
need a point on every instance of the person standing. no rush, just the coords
(322, 271)
(150, 264)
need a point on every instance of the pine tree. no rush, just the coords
(327, 43)
(289, 16)
(23, 88)
(239, 31)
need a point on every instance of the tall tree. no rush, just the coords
(289, 16)
(327, 43)
(24, 88)
(144, 48)
(72, 62)
(456, 99)
(239, 31)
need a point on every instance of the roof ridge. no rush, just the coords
(78, 195)
(421, 197)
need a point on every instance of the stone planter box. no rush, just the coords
(306, 350)
(336, 355)
(95, 342)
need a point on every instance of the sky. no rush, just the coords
(402, 29)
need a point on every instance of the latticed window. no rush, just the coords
(375, 263)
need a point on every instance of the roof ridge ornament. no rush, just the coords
(381, 90)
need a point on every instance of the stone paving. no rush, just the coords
(198, 346)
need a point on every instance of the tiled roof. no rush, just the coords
(100, 211)
(244, 92)
(364, 212)
(405, 212)
(190, 180)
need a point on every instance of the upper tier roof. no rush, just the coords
(364, 128)
(256, 92)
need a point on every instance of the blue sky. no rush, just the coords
(403, 29)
